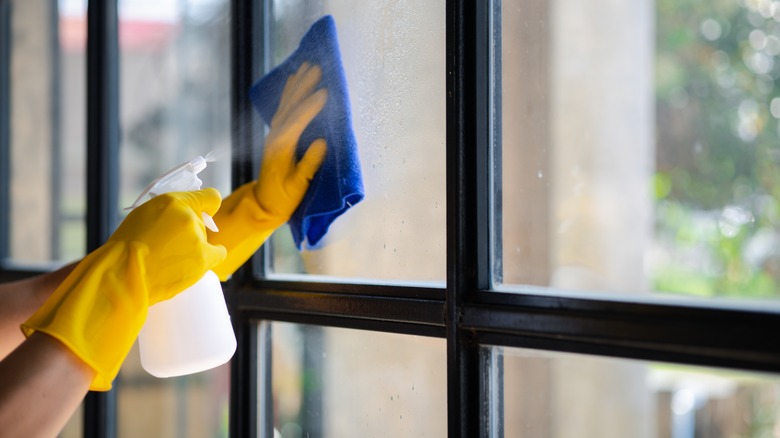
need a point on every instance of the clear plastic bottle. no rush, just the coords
(192, 331)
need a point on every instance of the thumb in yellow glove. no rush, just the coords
(159, 250)
(253, 211)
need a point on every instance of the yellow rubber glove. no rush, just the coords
(159, 250)
(255, 210)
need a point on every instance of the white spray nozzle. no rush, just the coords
(182, 178)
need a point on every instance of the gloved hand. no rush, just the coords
(159, 250)
(253, 211)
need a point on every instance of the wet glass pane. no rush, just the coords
(639, 146)
(332, 382)
(47, 128)
(394, 62)
(562, 395)
(174, 105)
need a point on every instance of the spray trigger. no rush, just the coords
(182, 178)
(208, 221)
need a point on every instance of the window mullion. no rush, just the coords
(467, 206)
(100, 417)
(247, 53)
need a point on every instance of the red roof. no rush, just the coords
(133, 34)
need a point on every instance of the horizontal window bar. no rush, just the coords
(404, 315)
(762, 362)
(690, 333)
(711, 336)
(410, 290)
(375, 325)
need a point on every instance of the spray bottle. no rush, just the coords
(190, 332)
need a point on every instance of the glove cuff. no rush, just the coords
(98, 310)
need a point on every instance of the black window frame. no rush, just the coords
(466, 312)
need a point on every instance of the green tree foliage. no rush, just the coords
(718, 145)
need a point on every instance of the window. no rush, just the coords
(401, 226)
(553, 394)
(159, 84)
(645, 156)
(329, 381)
(570, 212)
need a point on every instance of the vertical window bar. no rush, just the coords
(495, 118)
(102, 121)
(467, 204)
(480, 195)
(492, 388)
(102, 168)
(244, 379)
(247, 35)
(263, 259)
(5, 128)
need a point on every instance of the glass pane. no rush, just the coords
(174, 90)
(70, 173)
(47, 143)
(187, 406)
(47, 111)
(174, 105)
(562, 395)
(394, 61)
(639, 145)
(331, 382)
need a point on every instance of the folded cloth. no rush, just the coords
(338, 185)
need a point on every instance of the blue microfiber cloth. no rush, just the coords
(338, 185)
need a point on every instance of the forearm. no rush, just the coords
(41, 385)
(19, 300)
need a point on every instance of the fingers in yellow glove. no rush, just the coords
(159, 250)
(310, 162)
(252, 212)
(300, 87)
(172, 227)
(283, 181)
